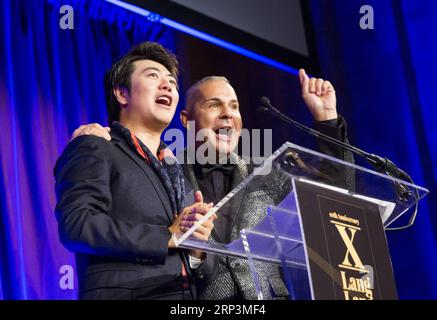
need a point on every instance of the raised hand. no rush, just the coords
(319, 96)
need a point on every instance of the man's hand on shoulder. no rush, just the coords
(93, 129)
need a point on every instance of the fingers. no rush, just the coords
(94, 129)
(327, 87)
(76, 133)
(197, 217)
(319, 86)
(302, 75)
(315, 86)
(201, 236)
(304, 81)
(192, 214)
(319, 83)
(203, 208)
(189, 209)
(98, 130)
(197, 207)
(187, 224)
(198, 196)
(191, 219)
(312, 85)
(205, 229)
(198, 200)
(203, 232)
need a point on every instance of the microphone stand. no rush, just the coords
(382, 165)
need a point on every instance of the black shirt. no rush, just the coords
(215, 181)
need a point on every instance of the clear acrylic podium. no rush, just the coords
(313, 219)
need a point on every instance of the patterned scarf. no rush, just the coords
(166, 167)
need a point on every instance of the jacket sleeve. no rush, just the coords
(343, 177)
(83, 207)
(207, 271)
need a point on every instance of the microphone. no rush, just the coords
(382, 165)
(264, 104)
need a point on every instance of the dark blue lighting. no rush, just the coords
(204, 36)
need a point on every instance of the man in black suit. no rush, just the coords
(120, 202)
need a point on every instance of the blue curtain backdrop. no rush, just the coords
(51, 81)
(386, 82)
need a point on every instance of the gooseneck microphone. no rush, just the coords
(380, 164)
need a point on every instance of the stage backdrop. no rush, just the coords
(51, 81)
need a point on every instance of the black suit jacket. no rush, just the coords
(114, 212)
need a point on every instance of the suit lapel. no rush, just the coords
(154, 180)
(240, 173)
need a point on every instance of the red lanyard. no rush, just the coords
(139, 149)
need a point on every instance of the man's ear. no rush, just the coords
(122, 95)
(185, 114)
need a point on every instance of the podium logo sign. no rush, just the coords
(346, 248)
(353, 287)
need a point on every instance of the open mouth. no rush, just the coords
(224, 133)
(164, 100)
